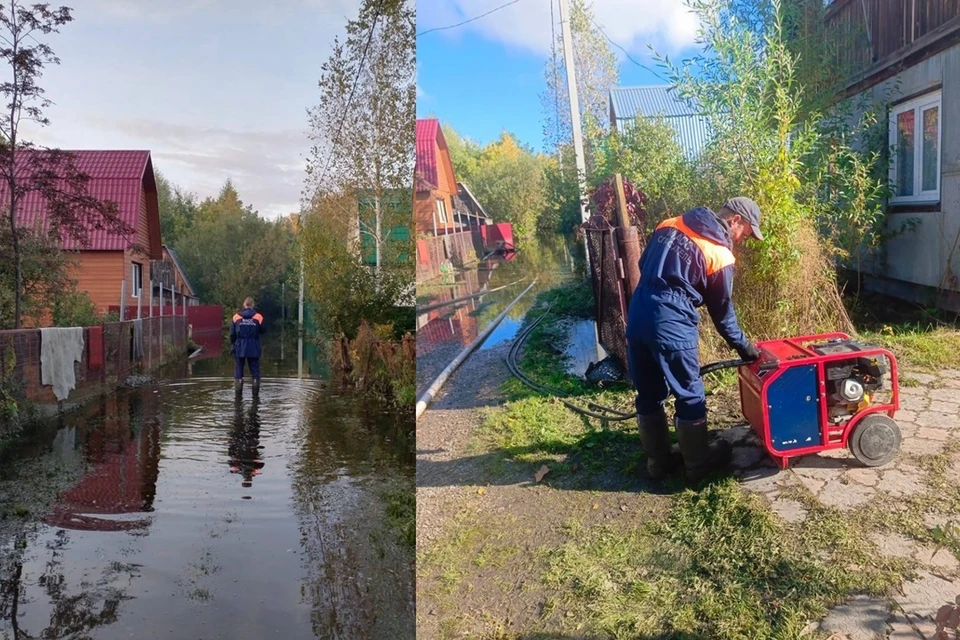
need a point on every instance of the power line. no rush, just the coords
(460, 24)
(356, 81)
(556, 79)
(626, 53)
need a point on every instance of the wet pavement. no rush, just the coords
(443, 332)
(189, 514)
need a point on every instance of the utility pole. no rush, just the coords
(574, 108)
(300, 332)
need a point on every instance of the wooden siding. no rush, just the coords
(892, 26)
(425, 207)
(100, 273)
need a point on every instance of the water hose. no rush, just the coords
(601, 412)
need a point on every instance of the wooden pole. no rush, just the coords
(623, 215)
(151, 298)
(123, 301)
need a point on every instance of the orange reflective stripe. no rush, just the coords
(715, 255)
(237, 317)
(258, 318)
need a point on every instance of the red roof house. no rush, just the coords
(109, 259)
(434, 182)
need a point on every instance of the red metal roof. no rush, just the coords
(116, 176)
(429, 138)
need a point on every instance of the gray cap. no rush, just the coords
(748, 210)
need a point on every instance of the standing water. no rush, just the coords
(185, 513)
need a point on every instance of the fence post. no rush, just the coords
(140, 304)
(151, 298)
(161, 299)
(123, 300)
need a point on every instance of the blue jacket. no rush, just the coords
(245, 334)
(688, 262)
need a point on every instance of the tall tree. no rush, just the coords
(231, 252)
(464, 153)
(596, 71)
(52, 174)
(363, 126)
(177, 210)
(509, 183)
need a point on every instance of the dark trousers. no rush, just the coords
(253, 363)
(657, 373)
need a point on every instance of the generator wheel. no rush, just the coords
(876, 440)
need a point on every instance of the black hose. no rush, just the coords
(608, 413)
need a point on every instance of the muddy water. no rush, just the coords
(192, 515)
(443, 332)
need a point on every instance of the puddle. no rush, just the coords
(477, 295)
(197, 516)
(506, 330)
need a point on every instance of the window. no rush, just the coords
(137, 279)
(915, 149)
(442, 210)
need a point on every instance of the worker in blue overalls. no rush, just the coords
(688, 262)
(245, 338)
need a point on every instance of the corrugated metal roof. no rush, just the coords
(115, 176)
(429, 135)
(692, 130)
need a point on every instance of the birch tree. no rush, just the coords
(363, 131)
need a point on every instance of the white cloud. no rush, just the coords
(666, 24)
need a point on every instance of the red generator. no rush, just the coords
(813, 393)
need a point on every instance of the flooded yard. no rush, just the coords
(456, 308)
(181, 512)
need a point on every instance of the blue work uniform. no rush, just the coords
(688, 262)
(245, 338)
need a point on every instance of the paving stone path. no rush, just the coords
(930, 421)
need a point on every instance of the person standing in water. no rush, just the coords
(245, 340)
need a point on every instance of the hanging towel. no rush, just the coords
(60, 348)
(138, 339)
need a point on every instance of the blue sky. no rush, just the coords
(487, 76)
(216, 89)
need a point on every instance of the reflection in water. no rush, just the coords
(158, 539)
(244, 448)
(443, 331)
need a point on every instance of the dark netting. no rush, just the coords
(607, 275)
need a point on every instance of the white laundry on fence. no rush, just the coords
(59, 348)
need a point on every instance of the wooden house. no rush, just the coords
(109, 263)
(905, 58)
(435, 184)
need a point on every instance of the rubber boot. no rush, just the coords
(700, 457)
(238, 387)
(655, 438)
(256, 388)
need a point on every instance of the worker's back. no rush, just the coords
(247, 326)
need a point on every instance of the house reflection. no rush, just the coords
(122, 447)
(455, 323)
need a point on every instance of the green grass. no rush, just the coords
(720, 565)
(920, 347)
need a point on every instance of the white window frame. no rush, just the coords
(442, 210)
(137, 287)
(918, 106)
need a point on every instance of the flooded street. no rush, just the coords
(489, 286)
(189, 514)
